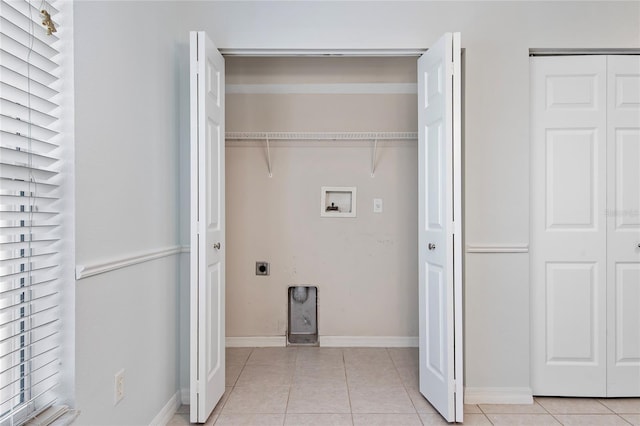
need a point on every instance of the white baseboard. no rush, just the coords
(185, 396)
(256, 342)
(328, 341)
(370, 341)
(498, 395)
(166, 414)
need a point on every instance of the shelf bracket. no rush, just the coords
(268, 156)
(373, 157)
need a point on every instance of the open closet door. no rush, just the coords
(207, 227)
(440, 237)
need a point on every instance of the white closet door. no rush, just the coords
(439, 240)
(207, 227)
(568, 225)
(623, 225)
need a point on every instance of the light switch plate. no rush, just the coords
(377, 205)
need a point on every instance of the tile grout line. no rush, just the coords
(346, 381)
(286, 406)
(404, 385)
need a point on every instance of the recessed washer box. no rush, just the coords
(338, 201)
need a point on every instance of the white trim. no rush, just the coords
(329, 341)
(370, 341)
(323, 89)
(583, 52)
(84, 271)
(497, 248)
(256, 342)
(322, 52)
(498, 395)
(166, 414)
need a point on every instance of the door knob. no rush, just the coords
(217, 246)
(431, 246)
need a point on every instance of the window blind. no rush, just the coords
(30, 203)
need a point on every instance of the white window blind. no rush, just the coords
(30, 203)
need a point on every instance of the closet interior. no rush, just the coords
(296, 125)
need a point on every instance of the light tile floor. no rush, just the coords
(370, 386)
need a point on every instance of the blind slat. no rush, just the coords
(41, 380)
(33, 314)
(18, 260)
(26, 16)
(25, 172)
(10, 231)
(13, 285)
(26, 274)
(23, 127)
(11, 140)
(22, 37)
(13, 109)
(19, 59)
(24, 156)
(45, 357)
(22, 306)
(19, 290)
(28, 85)
(23, 97)
(38, 54)
(32, 373)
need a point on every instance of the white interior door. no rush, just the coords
(207, 227)
(623, 226)
(568, 225)
(440, 237)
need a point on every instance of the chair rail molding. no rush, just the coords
(497, 248)
(89, 270)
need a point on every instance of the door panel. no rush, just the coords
(623, 226)
(572, 338)
(207, 228)
(568, 233)
(571, 191)
(440, 255)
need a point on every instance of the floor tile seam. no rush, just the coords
(589, 414)
(346, 379)
(239, 374)
(286, 406)
(620, 415)
(404, 386)
(224, 403)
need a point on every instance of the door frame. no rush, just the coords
(393, 52)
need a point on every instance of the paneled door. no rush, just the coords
(568, 225)
(207, 370)
(585, 193)
(440, 220)
(623, 225)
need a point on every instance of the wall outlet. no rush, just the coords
(262, 268)
(118, 387)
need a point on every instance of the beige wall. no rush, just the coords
(365, 267)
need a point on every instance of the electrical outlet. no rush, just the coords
(262, 268)
(118, 387)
